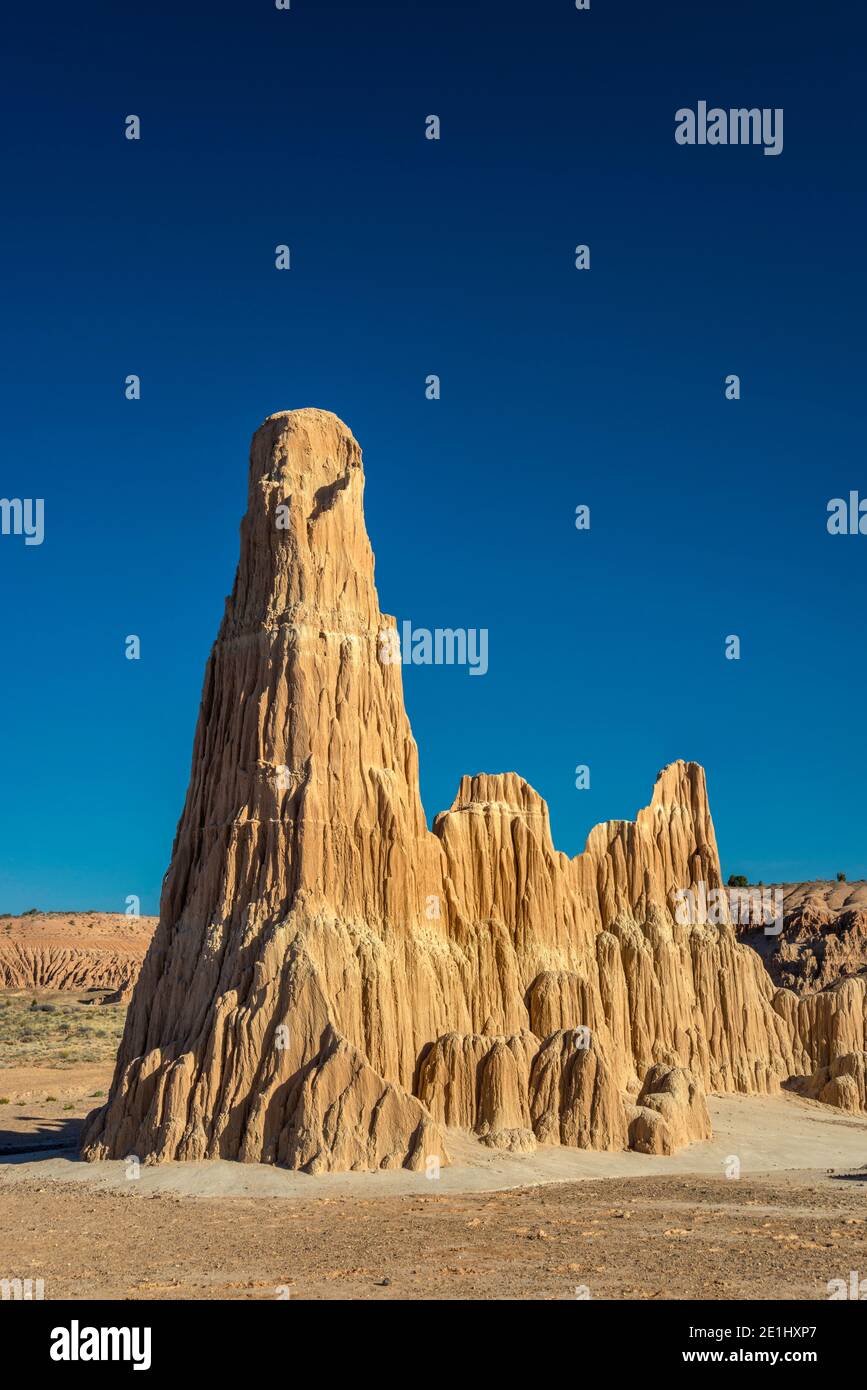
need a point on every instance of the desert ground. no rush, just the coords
(678, 1237)
(559, 1223)
(686, 1235)
(536, 1226)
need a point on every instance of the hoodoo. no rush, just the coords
(332, 985)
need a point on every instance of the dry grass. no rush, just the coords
(57, 1030)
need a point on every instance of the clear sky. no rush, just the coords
(559, 387)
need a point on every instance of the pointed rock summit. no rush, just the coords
(332, 984)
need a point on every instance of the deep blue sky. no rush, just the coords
(558, 387)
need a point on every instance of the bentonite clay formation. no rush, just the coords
(332, 984)
(824, 936)
(73, 950)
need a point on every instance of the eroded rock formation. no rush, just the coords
(332, 984)
(73, 950)
(842, 1083)
(823, 937)
(670, 1111)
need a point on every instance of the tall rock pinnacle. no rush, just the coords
(331, 983)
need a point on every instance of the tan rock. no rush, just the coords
(331, 982)
(842, 1083)
(346, 1117)
(574, 1097)
(823, 938)
(670, 1112)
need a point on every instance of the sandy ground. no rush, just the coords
(648, 1238)
(42, 1108)
(537, 1226)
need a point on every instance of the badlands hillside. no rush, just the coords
(73, 950)
(824, 936)
(334, 986)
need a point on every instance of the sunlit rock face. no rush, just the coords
(332, 984)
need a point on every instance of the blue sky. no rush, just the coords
(559, 387)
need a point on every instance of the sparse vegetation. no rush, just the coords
(738, 881)
(61, 1033)
(841, 878)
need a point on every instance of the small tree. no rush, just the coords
(841, 878)
(738, 881)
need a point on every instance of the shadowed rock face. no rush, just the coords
(330, 981)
